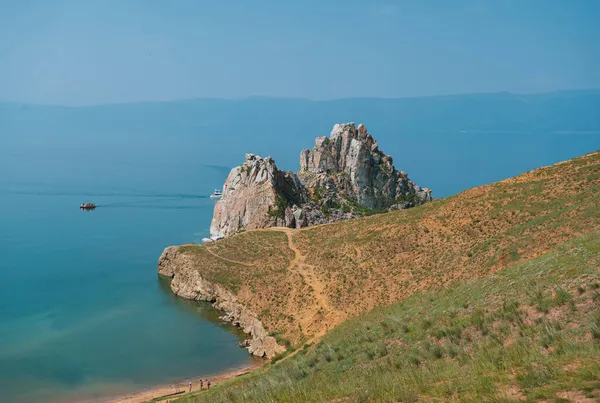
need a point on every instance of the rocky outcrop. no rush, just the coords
(350, 163)
(257, 194)
(344, 176)
(187, 282)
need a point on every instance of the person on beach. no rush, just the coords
(190, 387)
(201, 385)
(207, 384)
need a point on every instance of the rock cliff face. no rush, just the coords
(187, 282)
(350, 163)
(344, 176)
(251, 195)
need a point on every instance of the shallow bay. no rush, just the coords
(82, 310)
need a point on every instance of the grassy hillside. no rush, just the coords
(303, 282)
(531, 331)
(490, 295)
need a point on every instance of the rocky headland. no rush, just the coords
(290, 287)
(187, 282)
(344, 176)
(440, 291)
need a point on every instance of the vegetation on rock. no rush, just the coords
(278, 208)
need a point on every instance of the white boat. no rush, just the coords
(217, 194)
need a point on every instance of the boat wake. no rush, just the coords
(145, 200)
(106, 194)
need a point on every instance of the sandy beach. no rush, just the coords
(174, 390)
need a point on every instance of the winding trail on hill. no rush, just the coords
(332, 317)
(225, 259)
(307, 271)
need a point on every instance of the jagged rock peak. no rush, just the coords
(350, 162)
(344, 176)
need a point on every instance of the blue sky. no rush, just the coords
(78, 52)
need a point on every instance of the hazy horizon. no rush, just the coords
(68, 52)
(306, 99)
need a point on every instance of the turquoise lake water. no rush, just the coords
(83, 313)
(82, 310)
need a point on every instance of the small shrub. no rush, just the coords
(278, 210)
(452, 351)
(510, 311)
(381, 349)
(562, 296)
(370, 354)
(318, 194)
(437, 351)
(541, 299)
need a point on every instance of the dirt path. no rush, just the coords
(305, 270)
(225, 259)
(331, 316)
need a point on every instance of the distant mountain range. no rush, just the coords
(427, 136)
(560, 110)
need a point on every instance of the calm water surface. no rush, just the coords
(82, 310)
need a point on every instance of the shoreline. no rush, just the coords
(182, 386)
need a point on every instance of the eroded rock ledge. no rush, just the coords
(187, 282)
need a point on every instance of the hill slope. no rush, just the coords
(300, 283)
(531, 332)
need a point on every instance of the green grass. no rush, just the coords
(473, 317)
(349, 205)
(531, 330)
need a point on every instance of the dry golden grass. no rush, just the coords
(357, 265)
(249, 264)
(529, 332)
